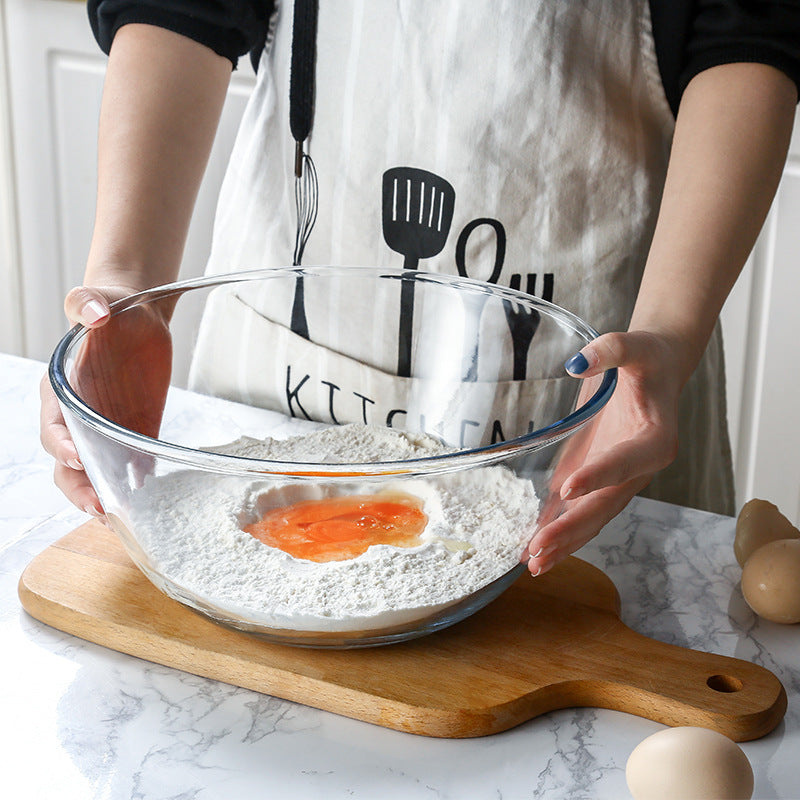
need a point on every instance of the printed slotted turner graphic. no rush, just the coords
(417, 213)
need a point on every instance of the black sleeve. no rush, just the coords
(693, 35)
(230, 28)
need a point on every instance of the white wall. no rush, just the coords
(11, 323)
(761, 324)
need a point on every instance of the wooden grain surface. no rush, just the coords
(553, 642)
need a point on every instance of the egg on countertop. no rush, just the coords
(690, 763)
(771, 581)
(760, 522)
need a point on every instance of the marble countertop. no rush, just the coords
(79, 721)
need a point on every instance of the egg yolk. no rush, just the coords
(338, 528)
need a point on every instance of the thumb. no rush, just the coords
(87, 306)
(606, 352)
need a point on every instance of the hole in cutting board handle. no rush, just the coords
(724, 683)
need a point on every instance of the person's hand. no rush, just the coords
(615, 455)
(122, 371)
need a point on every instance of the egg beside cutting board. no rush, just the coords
(771, 581)
(767, 546)
(760, 522)
(689, 763)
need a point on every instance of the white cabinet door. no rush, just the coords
(761, 323)
(11, 337)
(56, 73)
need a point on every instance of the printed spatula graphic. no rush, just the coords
(417, 213)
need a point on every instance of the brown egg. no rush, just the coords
(760, 522)
(771, 581)
(691, 764)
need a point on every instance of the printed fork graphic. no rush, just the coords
(522, 323)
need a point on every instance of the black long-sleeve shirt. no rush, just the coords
(690, 35)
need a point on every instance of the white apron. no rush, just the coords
(548, 121)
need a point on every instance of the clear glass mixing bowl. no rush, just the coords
(153, 397)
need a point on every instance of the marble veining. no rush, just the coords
(83, 722)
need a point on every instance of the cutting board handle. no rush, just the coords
(678, 686)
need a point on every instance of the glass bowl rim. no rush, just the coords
(218, 462)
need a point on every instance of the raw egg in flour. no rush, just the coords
(342, 527)
(691, 764)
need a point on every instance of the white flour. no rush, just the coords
(190, 525)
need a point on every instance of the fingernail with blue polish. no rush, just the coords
(577, 364)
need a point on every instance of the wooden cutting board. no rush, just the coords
(553, 642)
